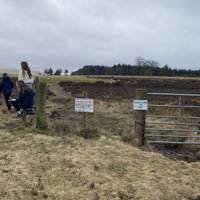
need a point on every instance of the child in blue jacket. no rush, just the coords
(6, 87)
(25, 100)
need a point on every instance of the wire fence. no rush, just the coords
(171, 118)
(111, 116)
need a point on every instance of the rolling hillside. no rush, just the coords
(13, 71)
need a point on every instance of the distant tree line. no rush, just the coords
(142, 67)
(57, 72)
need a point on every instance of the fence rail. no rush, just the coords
(172, 130)
(171, 142)
(161, 138)
(173, 106)
(173, 94)
(172, 123)
(172, 136)
(172, 117)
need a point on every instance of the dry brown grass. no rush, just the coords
(64, 166)
(43, 167)
(110, 118)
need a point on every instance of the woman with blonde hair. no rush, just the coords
(26, 75)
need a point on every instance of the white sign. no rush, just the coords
(140, 105)
(84, 105)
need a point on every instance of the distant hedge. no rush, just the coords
(124, 69)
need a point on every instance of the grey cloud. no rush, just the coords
(72, 33)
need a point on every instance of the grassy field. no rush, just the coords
(35, 166)
(61, 164)
(85, 79)
(110, 79)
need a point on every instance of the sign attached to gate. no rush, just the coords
(84, 105)
(140, 105)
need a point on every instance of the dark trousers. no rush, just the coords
(19, 106)
(16, 105)
(7, 97)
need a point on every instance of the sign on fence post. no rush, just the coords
(140, 105)
(84, 105)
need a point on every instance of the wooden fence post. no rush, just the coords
(41, 90)
(24, 118)
(35, 82)
(140, 118)
(85, 114)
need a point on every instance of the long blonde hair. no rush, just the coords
(26, 68)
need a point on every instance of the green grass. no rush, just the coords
(53, 80)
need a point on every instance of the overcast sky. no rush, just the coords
(73, 33)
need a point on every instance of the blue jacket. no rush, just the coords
(6, 86)
(26, 99)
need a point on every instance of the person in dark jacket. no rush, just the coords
(6, 87)
(25, 100)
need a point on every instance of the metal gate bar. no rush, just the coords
(174, 94)
(177, 138)
(176, 130)
(172, 117)
(173, 123)
(173, 106)
(172, 136)
(171, 142)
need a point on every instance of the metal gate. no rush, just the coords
(183, 127)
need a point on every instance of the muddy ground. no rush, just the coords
(125, 87)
